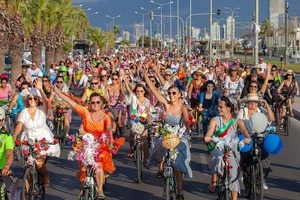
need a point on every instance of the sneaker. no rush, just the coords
(265, 186)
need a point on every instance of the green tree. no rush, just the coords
(15, 37)
(4, 30)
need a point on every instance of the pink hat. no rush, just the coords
(124, 64)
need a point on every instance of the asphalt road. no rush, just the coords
(284, 181)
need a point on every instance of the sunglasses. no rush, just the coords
(45, 81)
(152, 81)
(253, 86)
(252, 101)
(140, 91)
(173, 93)
(95, 83)
(234, 70)
(59, 81)
(95, 102)
(197, 74)
(168, 74)
(31, 98)
(23, 88)
(115, 79)
(290, 75)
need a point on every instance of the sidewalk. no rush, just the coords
(296, 108)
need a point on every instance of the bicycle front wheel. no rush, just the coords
(28, 192)
(86, 194)
(59, 133)
(287, 125)
(138, 162)
(257, 181)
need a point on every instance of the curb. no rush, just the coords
(296, 114)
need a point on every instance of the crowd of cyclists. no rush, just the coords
(164, 86)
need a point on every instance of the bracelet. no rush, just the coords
(7, 164)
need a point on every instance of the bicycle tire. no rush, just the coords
(86, 193)
(227, 194)
(288, 124)
(167, 188)
(138, 162)
(59, 134)
(258, 179)
(28, 195)
(247, 182)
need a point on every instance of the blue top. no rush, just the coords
(214, 100)
(19, 107)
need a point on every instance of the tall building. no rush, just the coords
(196, 33)
(276, 13)
(216, 33)
(230, 31)
(138, 31)
(126, 35)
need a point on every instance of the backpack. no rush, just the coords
(9, 188)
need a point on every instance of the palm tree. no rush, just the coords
(4, 29)
(116, 29)
(34, 16)
(15, 37)
(266, 30)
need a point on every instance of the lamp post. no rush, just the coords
(231, 13)
(151, 18)
(161, 23)
(106, 26)
(143, 35)
(113, 20)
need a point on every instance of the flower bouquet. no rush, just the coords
(138, 128)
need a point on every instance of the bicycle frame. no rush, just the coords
(90, 185)
(170, 184)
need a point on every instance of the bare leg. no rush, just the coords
(179, 178)
(99, 180)
(234, 195)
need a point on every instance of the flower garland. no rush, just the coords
(88, 149)
(177, 130)
(42, 145)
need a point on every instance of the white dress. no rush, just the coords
(38, 129)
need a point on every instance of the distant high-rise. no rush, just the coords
(196, 32)
(276, 13)
(216, 31)
(138, 31)
(230, 31)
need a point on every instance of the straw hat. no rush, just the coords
(252, 97)
(33, 91)
(289, 72)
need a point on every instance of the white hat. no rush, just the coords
(33, 91)
(252, 97)
(103, 73)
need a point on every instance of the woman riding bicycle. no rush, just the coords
(139, 102)
(245, 114)
(115, 95)
(194, 88)
(287, 87)
(224, 127)
(6, 148)
(5, 89)
(96, 122)
(33, 119)
(176, 114)
(208, 103)
(94, 88)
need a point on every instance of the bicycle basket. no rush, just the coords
(170, 141)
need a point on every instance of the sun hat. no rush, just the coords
(103, 73)
(254, 73)
(168, 71)
(252, 97)
(256, 67)
(33, 91)
(199, 72)
(63, 69)
(289, 72)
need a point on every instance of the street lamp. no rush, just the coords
(143, 35)
(113, 21)
(151, 18)
(95, 13)
(231, 13)
(161, 23)
(106, 26)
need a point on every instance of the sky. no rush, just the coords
(127, 8)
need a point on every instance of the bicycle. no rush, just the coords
(253, 171)
(138, 156)
(33, 182)
(224, 182)
(286, 118)
(198, 119)
(90, 186)
(8, 124)
(170, 183)
(59, 131)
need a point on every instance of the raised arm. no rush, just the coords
(265, 85)
(281, 65)
(39, 85)
(158, 95)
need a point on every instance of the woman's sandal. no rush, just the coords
(281, 127)
(180, 197)
(212, 186)
(292, 114)
(160, 173)
(100, 196)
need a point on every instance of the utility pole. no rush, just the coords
(210, 35)
(256, 32)
(286, 33)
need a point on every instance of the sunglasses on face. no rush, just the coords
(95, 102)
(290, 75)
(23, 88)
(274, 70)
(252, 101)
(31, 98)
(153, 81)
(253, 86)
(234, 70)
(45, 80)
(94, 83)
(59, 81)
(168, 74)
(173, 93)
(115, 79)
(140, 91)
